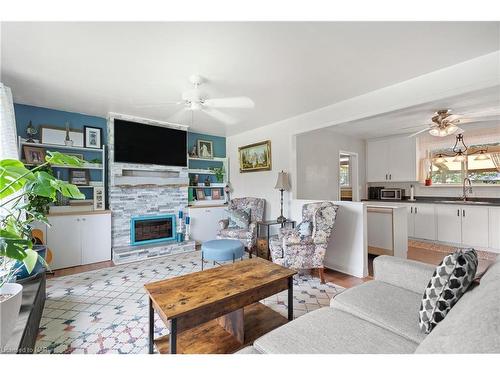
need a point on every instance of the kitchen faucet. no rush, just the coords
(466, 189)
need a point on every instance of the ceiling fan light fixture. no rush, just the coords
(450, 129)
(460, 158)
(439, 159)
(434, 132)
(482, 156)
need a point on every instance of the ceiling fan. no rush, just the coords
(194, 100)
(445, 123)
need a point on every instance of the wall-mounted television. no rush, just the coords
(149, 144)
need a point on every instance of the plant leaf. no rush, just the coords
(13, 246)
(30, 260)
(67, 189)
(58, 158)
(13, 176)
(42, 185)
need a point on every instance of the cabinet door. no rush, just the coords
(411, 220)
(449, 223)
(494, 228)
(96, 238)
(402, 156)
(474, 226)
(205, 222)
(377, 161)
(64, 240)
(425, 221)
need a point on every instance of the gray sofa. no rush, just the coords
(381, 316)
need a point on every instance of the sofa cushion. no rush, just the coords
(328, 330)
(448, 283)
(238, 218)
(471, 326)
(385, 305)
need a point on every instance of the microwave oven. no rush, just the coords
(392, 194)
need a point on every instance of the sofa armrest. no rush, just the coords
(404, 273)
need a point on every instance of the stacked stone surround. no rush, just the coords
(127, 201)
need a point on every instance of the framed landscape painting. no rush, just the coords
(255, 157)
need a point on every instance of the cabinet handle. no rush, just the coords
(386, 176)
(77, 219)
(84, 219)
(458, 212)
(411, 210)
(390, 176)
(463, 213)
(416, 209)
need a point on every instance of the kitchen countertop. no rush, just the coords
(441, 200)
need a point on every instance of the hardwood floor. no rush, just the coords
(417, 252)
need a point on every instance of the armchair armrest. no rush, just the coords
(404, 273)
(223, 224)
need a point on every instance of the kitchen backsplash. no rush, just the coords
(440, 191)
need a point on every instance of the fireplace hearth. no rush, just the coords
(151, 229)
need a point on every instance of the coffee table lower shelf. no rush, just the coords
(212, 338)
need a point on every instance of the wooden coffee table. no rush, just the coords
(218, 310)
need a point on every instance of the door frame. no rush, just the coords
(354, 164)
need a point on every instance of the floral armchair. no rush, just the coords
(247, 236)
(291, 249)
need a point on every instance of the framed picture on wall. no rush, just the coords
(92, 137)
(79, 176)
(34, 155)
(216, 194)
(200, 194)
(255, 157)
(205, 149)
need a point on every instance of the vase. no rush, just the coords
(9, 311)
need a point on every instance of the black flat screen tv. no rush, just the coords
(148, 144)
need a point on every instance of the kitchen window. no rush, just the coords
(483, 168)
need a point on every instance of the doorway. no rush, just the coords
(348, 189)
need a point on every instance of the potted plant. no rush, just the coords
(19, 186)
(219, 173)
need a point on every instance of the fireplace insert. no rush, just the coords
(148, 229)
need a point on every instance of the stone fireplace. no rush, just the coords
(141, 197)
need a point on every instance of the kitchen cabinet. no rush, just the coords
(494, 228)
(391, 159)
(205, 222)
(421, 221)
(79, 239)
(463, 225)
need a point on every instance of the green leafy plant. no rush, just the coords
(18, 187)
(219, 173)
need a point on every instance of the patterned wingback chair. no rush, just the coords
(247, 236)
(290, 249)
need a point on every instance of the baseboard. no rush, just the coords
(343, 269)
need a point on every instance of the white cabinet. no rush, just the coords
(79, 239)
(494, 228)
(205, 222)
(421, 221)
(464, 225)
(391, 159)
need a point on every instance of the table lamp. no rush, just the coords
(282, 184)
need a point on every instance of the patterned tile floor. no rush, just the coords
(106, 311)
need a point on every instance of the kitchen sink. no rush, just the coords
(465, 202)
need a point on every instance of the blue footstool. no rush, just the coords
(221, 250)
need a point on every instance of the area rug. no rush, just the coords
(106, 310)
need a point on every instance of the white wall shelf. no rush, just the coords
(222, 160)
(62, 147)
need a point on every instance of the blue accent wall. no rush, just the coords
(219, 143)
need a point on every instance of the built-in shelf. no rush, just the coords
(94, 166)
(201, 171)
(208, 159)
(207, 202)
(62, 147)
(207, 187)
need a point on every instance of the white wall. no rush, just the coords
(318, 163)
(347, 251)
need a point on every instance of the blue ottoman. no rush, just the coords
(221, 250)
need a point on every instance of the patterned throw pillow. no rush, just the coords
(305, 228)
(449, 282)
(238, 218)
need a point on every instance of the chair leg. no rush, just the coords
(250, 252)
(321, 272)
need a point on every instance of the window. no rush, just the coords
(482, 168)
(345, 174)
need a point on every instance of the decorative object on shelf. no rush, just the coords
(79, 176)
(56, 136)
(219, 173)
(190, 195)
(67, 139)
(216, 194)
(99, 198)
(282, 184)
(255, 157)
(180, 226)
(207, 181)
(31, 131)
(92, 137)
(200, 194)
(17, 182)
(196, 180)
(34, 155)
(205, 149)
(187, 236)
(194, 152)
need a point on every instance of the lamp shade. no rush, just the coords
(282, 183)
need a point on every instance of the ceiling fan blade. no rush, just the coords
(220, 116)
(417, 126)
(417, 133)
(233, 102)
(477, 119)
(490, 112)
(163, 104)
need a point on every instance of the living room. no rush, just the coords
(250, 187)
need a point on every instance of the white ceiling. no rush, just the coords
(286, 68)
(413, 119)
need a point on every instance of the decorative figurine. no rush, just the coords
(31, 131)
(207, 181)
(67, 140)
(193, 152)
(227, 190)
(196, 180)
